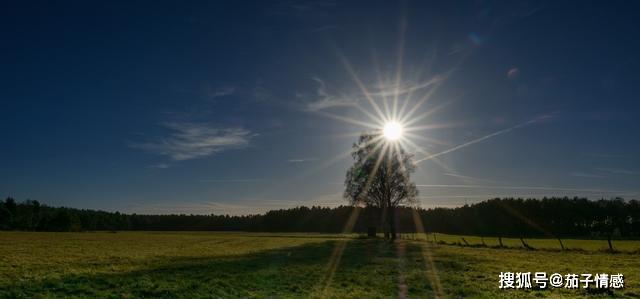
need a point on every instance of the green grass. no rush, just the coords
(628, 246)
(202, 264)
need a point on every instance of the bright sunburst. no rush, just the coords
(392, 130)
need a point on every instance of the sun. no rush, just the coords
(392, 130)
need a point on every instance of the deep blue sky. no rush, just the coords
(239, 107)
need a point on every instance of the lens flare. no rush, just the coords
(392, 130)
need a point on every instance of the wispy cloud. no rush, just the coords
(301, 160)
(394, 89)
(300, 8)
(260, 93)
(468, 178)
(323, 99)
(196, 140)
(587, 175)
(619, 171)
(544, 188)
(161, 165)
(603, 155)
(232, 180)
(213, 93)
(326, 97)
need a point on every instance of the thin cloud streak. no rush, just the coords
(397, 89)
(212, 94)
(455, 148)
(195, 140)
(232, 180)
(324, 100)
(468, 178)
(618, 171)
(301, 160)
(587, 175)
(527, 188)
(160, 165)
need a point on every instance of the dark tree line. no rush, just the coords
(508, 217)
(547, 217)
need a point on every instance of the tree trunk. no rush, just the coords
(371, 232)
(392, 223)
(609, 241)
(385, 227)
(373, 215)
(500, 241)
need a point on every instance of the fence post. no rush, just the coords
(525, 244)
(561, 245)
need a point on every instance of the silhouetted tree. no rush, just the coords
(11, 205)
(10, 209)
(5, 216)
(380, 178)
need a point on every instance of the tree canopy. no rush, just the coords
(380, 177)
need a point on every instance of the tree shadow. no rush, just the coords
(301, 236)
(284, 272)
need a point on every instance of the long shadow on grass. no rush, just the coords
(285, 272)
(301, 236)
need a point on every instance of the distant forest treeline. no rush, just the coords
(547, 217)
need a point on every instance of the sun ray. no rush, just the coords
(463, 145)
(373, 118)
(376, 165)
(431, 127)
(336, 255)
(385, 100)
(324, 165)
(430, 266)
(402, 28)
(418, 79)
(399, 158)
(406, 119)
(426, 67)
(427, 139)
(363, 89)
(439, 80)
(349, 120)
(339, 249)
(336, 159)
(349, 135)
(425, 152)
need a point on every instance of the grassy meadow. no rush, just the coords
(257, 265)
(623, 246)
